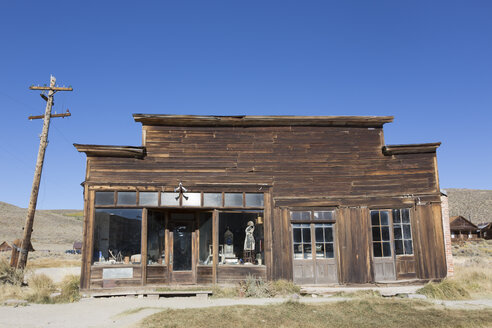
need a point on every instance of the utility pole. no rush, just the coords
(52, 89)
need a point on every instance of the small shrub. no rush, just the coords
(256, 287)
(69, 290)
(9, 275)
(41, 287)
(444, 290)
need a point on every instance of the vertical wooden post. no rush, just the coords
(144, 246)
(215, 242)
(26, 240)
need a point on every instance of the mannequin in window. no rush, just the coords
(249, 240)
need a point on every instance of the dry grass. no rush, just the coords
(373, 312)
(53, 262)
(472, 274)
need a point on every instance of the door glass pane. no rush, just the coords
(376, 247)
(306, 235)
(406, 231)
(405, 213)
(398, 247)
(182, 247)
(307, 251)
(254, 200)
(319, 234)
(233, 200)
(127, 198)
(374, 218)
(396, 216)
(192, 199)
(155, 238)
(329, 250)
(212, 200)
(397, 230)
(148, 198)
(170, 199)
(320, 251)
(376, 234)
(329, 234)
(385, 231)
(298, 251)
(104, 198)
(297, 234)
(408, 247)
(386, 249)
(384, 218)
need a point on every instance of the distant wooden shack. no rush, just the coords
(214, 199)
(462, 229)
(485, 230)
(5, 247)
(77, 246)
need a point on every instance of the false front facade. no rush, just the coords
(213, 199)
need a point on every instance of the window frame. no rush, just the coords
(312, 222)
(392, 232)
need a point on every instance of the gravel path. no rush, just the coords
(110, 312)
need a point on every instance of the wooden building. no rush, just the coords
(5, 247)
(212, 199)
(462, 229)
(485, 230)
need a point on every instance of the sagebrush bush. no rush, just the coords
(41, 287)
(9, 275)
(69, 289)
(256, 287)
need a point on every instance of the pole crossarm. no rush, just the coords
(33, 87)
(52, 115)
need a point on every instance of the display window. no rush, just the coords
(241, 238)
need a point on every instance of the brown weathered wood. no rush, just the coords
(338, 162)
(143, 250)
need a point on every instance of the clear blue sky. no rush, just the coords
(428, 63)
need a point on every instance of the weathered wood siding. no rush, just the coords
(300, 161)
(429, 242)
(353, 231)
(303, 166)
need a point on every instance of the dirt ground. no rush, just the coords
(128, 311)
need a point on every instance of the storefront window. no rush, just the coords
(156, 233)
(148, 198)
(117, 236)
(206, 239)
(212, 199)
(233, 200)
(127, 198)
(302, 241)
(192, 199)
(104, 198)
(241, 238)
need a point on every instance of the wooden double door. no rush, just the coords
(314, 253)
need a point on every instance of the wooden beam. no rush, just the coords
(51, 88)
(52, 115)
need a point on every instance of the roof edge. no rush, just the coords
(272, 120)
(111, 151)
(411, 148)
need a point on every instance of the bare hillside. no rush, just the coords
(473, 204)
(53, 229)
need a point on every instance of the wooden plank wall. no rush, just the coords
(354, 256)
(429, 242)
(298, 160)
